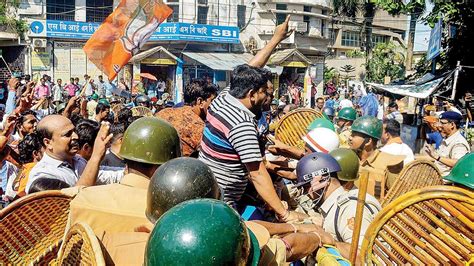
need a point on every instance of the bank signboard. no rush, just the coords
(166, 31)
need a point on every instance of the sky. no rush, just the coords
(422, 33)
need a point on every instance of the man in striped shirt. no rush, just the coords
(230, 145)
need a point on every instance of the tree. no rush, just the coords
(350, 8)
(8, 18)
(414, 8)
(387, 60)
(347, 70)
(330, 74)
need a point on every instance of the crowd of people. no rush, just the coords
(205, 181)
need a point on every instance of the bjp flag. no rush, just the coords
(123, 33)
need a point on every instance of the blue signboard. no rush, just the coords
(434, 48)
(166, 31)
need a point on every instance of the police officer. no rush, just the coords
(383, 168)
(318, 177)
(345, 118)
(209, 231)
(147, 143)
(179, 180)
(321, 122)
(142, 100)
(328, 113)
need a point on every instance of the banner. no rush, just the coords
(421, 91)
(123, 33)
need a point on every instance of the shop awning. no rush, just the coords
(289, 58)
(421, 91)
(219, 61)
(156, 56)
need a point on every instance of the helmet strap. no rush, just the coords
(362, 146)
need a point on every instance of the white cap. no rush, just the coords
(322, 140)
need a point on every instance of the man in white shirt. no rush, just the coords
(60, 160)
(393, 113)
(393, 144)
(454, 145)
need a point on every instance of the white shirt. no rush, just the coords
(344, 222)
(345, 103)
(399, 149)
(453, 147)
(49, 167)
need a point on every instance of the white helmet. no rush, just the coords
(345, 103)
(322, 140)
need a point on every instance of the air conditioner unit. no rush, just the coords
(301, 26)
(39, 43)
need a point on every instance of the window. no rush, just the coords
(241, 12)
(279, 16)
(350, 38)
(202, 14)
(306, 18)
(98, 10)
(60, 10)
(379, 39)
(174, 17)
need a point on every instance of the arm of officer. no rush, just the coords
(90, 173)
(281, 33)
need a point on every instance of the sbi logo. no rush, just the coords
(36, 27)
(224, 33)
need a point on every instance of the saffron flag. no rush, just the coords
(123, 33)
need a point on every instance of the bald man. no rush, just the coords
(60, 160)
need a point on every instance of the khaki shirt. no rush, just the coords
(339, 211)
(344, 138)
(127, 248)
(383, 170)
(112, 208)
(273, 253)
(453, 147)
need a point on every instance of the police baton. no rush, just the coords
(363, 179)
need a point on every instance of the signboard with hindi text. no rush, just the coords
(166, 31)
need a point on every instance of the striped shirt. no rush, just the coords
(229, 142)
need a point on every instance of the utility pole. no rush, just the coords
(455, 83)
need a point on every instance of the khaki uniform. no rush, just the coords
(344, 138)
(383, 170)
(339, 211)
(127, 248)
(111, 209)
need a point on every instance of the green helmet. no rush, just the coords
(104, 101)
(201, 232)
(179, 180)
(347, 113)
(321, 122)
(95, 96)
(463, 172)
(368, 125)
(150, 140)
(349, 163)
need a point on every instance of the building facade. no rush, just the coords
(347, 42)
(202, 38)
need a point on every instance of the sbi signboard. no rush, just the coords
(166, 31)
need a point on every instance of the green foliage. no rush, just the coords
(387, 60)
(330, 74)
(8, 18)
(397, 7)
(347, 70)
(355, 53)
